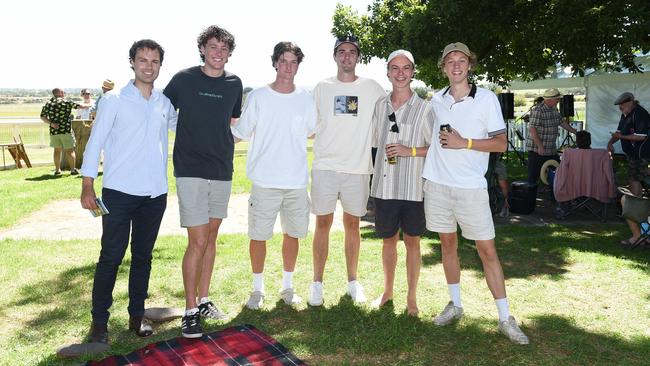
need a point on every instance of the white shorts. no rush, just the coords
(447, 207)
(200, 200)
(264, 205)
(329, 186)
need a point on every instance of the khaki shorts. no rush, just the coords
(447, 207)
(328, 186)
(200, 200)
(264, 205)
(65, 141)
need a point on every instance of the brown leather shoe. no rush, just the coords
(98, 332)
(140, 326)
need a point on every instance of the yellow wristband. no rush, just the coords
(469, 144)
(413, 151)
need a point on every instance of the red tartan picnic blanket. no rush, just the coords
(238, 345)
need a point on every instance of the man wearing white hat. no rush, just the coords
(543, 132)
(455, 190)
(403, 125)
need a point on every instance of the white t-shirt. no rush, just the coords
(278, 126)
(477, 116)
(343, 134)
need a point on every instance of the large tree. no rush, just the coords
(516, 39)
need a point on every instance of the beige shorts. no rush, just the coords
(200, 200)
(328, 186)
(264, 205)
(65, 141)
(447, 207)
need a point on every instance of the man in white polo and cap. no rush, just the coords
(543, 132)
(470, 127)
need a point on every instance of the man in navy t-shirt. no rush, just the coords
(208, 98)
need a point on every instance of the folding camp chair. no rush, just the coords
(584, 179)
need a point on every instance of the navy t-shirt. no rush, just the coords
(204, 145)
(636, 122)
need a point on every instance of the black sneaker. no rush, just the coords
(191, 326)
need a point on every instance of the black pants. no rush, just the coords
(535, 162)
(139, 217)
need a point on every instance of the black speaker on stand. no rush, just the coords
(507, 102)
(567, 110)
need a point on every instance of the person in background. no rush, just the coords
(470, 126)
(208, 99)
(501, 172)
(107, 86)
(131, 130)
(342, 164)
(403, 124)
(542, 133)
(632, 131)
(57, 114)
(86, 103)
(278, 119)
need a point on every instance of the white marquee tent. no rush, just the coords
(602, 115)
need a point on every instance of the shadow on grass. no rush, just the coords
(44, 177)
(529, 251)
(345, 334)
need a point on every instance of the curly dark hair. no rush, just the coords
(146, 43)
(283, 47)
(220, 34)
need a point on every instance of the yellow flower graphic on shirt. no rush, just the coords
(352, 105)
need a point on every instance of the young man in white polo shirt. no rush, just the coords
(455, 190)
(278, 119)
(342, 164)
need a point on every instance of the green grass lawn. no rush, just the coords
(580, 298)
(23, 191)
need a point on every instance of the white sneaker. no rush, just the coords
(211, 311)
(316, 294)
(256, 300)
(449, 315)
(289, 297)
(510, 329)
(355, 290)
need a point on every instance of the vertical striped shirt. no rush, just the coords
(403, 180)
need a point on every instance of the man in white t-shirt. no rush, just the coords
(342, 164)
(278, 119)
(455, 189)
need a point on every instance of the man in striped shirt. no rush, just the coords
(402, 123)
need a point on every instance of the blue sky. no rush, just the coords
(80, 43)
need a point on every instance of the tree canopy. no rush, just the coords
(515, 39)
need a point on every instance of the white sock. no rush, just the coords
(503, 309)
(258, 282)
(454, 294)
(203, 300)
(287, 280)
(191, 311)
